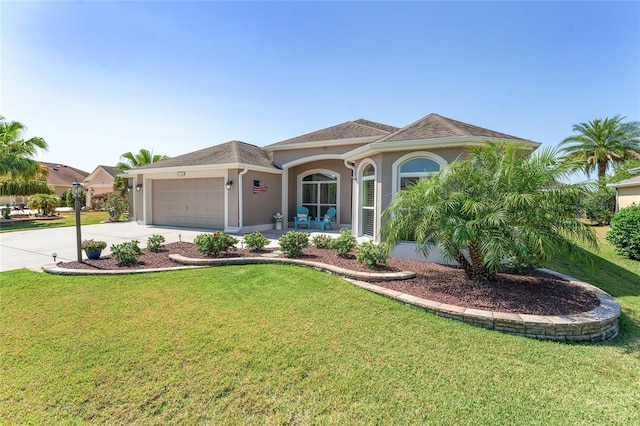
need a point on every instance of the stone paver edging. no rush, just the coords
(53, 268)
(596, 325)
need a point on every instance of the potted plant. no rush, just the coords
(278, 218)
(93, 248)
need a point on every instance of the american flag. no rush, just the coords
(259, 186)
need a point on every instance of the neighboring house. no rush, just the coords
(61, 177)
(99, 181)
(627, 191)
(355, 167)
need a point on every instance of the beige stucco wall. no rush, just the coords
(259, 208)
(100, 182)
(385, 169)
(282, 157)
(628, 195)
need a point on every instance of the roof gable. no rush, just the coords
(229, 152)
(348, 130)
(435, 126)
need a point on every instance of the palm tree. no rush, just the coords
(500, 207)
(131, 160)
(16, 153)
(600, 143)
(140, 159)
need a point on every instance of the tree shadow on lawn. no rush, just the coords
(619, 283)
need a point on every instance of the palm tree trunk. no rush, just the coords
(480, 273)
(602, 172)
(464, 263)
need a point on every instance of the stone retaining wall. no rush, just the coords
(593, 326)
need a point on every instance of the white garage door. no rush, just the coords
(195, 203)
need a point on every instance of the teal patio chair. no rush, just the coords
(302, 218)
(322, 222)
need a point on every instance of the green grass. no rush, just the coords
(65, 219)
(275, 344)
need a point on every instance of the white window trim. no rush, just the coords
(310, 172)
(359, 172)
(395, 179)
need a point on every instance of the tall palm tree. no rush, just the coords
(140, 159)
(600, 143)
(131, 160)
(16, 153)
(498, 207)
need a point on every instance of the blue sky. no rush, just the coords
(97, 79)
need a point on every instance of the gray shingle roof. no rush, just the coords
(350, 129)
(110, 169)
(627, 182)
(376, 125)
(229, 152)
(436, 126)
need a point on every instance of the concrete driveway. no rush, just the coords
(32, 249)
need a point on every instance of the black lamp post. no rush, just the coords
(76, 191)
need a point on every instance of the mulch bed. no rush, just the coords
(535, 293)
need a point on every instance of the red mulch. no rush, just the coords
(535, 293)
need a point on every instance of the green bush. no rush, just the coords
(155, 243)
(293, 242)
(126, 253)
(255, 241)
(625, 232)
(344, 243)
(214, 244)
(6, 214)
(322, 241)
(372, 255)
(46, 203)
(600, 206)
(116, 205)
(70, 201)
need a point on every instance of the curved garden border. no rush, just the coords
(596, 325)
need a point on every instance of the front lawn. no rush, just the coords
(65, 219)
(273, 344)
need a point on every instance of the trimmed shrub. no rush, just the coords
(344, 243)
(46, 203)
(116, 205)
(214, 244)
(126, 253)
(625, 232)
(255, 241)
(600, 207)
(372, 255)
(155, 243)
(322, 241)
(97, 201)
(6, 214)
(293, 242)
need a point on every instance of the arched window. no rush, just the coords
(319, 193)
(411, 170)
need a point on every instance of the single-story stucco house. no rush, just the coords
(355, 167)
(59, 176)
(99, 181)
(627, 191)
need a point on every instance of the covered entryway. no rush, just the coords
(196, 203)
